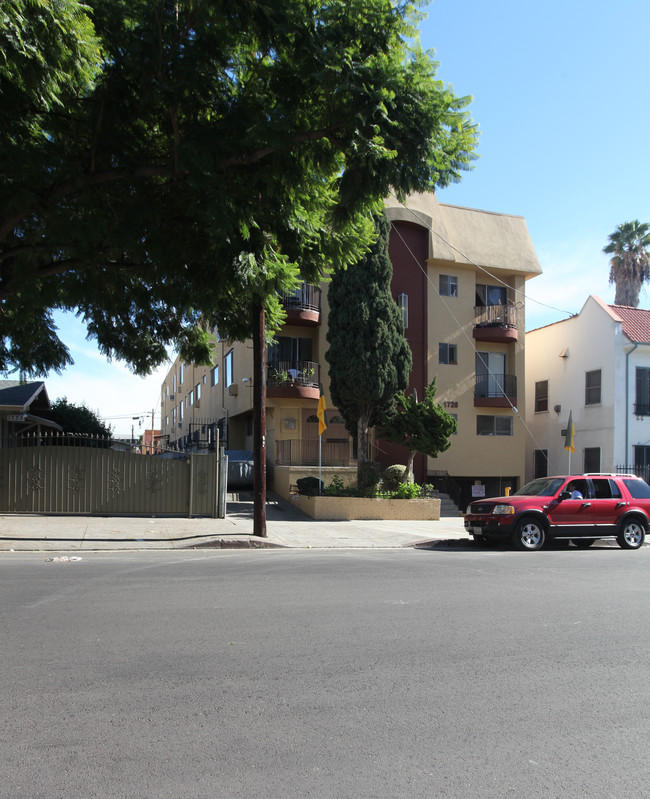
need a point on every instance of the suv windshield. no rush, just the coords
(544, 487)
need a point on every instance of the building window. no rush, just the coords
(494, 425)
(191, 399)
(228, 366)
(181, 373)
(541, 398)
(289, 351)
(174, 383)
(490, 295)
(592, 387)
(214, 376)
(197, 392)
(448, 286)
(642, 405)
(403, 304)
(447, 353)
(592, 459)
(180, 412)
(540, 463)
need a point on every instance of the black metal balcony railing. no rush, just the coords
(305, 298)
(495, 316)
(641, 409)
(495, 386)
(293, 373)
(304, 452)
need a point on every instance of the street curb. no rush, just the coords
(235, 543)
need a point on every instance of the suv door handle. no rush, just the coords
(620, 505)
(586, 505)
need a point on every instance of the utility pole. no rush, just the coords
(259, 422)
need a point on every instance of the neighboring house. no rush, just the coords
(150, 442)
(460, 290)
(596, 367)
(22, 406)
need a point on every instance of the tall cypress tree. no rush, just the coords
(369, 357)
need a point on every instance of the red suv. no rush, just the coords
(580, 508)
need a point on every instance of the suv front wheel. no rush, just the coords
(631, 534)
(529, 535)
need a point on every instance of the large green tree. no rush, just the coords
(78, 419)
(212, 152)
(369, 357)
(419, 426)
(629, 265)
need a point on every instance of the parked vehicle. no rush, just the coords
(579, 508)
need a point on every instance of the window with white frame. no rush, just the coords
(214, 376)
(593, 387)
(229, 366)
(541, 396)
(592, 460)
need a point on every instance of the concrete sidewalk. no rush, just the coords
(286, 527)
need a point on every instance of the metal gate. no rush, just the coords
(87, 480)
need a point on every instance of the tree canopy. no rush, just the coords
(186, 160)
(369, 357)
(77, 419)
(419, 426)
(629, 266)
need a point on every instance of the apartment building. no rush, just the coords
(596, 367)
(458, 279)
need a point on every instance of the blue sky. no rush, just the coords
(560, 95)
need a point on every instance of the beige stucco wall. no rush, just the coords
(345, 508)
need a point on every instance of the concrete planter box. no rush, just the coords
(346, 508)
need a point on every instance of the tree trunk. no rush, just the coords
(362, 446)
(259, 422)
(408, 472)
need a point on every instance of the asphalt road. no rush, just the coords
(464, 674)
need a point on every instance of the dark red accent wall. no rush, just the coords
(408, 250)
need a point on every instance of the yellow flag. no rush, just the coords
(322, 415)
(570, 433)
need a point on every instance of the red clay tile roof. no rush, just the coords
(636, 323)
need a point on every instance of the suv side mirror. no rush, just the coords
(564, 495)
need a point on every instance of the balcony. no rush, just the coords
(495, 391)
(303, 305)
(304, 452)
(293, 379)
(641, 409)
(495, 323)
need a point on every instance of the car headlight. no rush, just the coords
(503, 510)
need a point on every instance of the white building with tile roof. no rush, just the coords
(596, 367)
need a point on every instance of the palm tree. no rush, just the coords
(629, 265)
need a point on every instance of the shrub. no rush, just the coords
(408, 491)
(393, 476)
(338, 489)
(309, 486)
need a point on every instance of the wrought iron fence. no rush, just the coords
(495, 386)
(293, 373)
(305, 297)
(638, 469)
(55, 438)
(495, 316)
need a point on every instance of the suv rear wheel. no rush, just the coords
(529, 535)
(631, 534)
